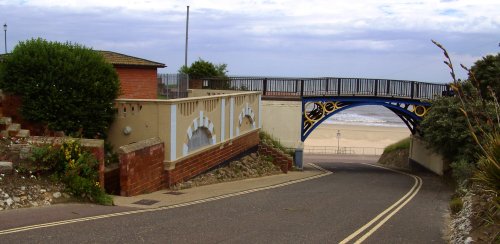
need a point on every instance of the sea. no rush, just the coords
(369, 115)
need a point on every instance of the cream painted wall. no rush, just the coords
(282, 120)
(425, 157)
(174, 120)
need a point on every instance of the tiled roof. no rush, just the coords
(122, 59)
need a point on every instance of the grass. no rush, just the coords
(403, 144)
(266, 138)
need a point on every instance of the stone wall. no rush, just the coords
(141, 167)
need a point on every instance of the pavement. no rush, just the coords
(166, 197)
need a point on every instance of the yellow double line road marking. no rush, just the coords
(71, 221)
(388, 213)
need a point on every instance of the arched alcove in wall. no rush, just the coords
(199, 134)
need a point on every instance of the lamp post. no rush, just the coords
(338, 141)
(5, 36)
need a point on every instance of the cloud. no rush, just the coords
(300, 37)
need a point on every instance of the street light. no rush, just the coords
(338, 141)
(5, 36)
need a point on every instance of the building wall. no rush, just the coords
(137, 82)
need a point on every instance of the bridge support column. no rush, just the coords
(298, 157)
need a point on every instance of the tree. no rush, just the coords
(204, 69)
(487, 72)
(65, 86)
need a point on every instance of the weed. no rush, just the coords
(456, 205)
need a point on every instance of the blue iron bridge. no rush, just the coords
(324, 97)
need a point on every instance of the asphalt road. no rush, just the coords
(323, 210)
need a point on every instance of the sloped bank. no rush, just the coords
(396, 155)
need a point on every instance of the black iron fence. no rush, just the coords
(172, 86)
(329, 86)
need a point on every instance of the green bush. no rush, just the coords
(402, 144)
(204, 69)
(456, 205)
(446, 130)
(76, 168)
(65, 86)
(462, 171)
(486, 71)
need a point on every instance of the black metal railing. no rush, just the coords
(172, 86)
(330, 86)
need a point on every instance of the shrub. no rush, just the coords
(76, 168)
(400, 145)
(446, 129)
(65, 86)
(486, 71)
(489, 165)
(456, 205)
(204, 69)
(462, 171)
(484, 128)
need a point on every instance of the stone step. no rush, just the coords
(13, 129)
(5, 122)
(23, 134)
(4, 133)
(5, 167)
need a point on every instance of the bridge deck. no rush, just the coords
(296, 88)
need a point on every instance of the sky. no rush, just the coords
(386, 39)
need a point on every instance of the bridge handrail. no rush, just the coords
(330, 86)
(333, 150)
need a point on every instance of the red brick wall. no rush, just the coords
(201, 162)
(195, 84)
(112, 180)
(138, 82)
(11, 106)
(281, 159)
(141, 167)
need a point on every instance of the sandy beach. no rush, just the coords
(354, 136)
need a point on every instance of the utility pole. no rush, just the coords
(5, 36)
(187, 30)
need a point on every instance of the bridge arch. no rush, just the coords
(409, 111)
